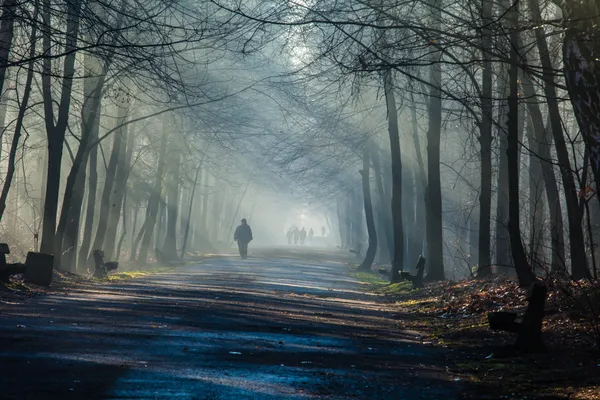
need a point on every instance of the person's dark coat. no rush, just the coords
(243, 233)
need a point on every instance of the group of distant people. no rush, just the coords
(243, 236)
(295, 235)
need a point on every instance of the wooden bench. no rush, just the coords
(6, 270)
(103, 267)
(417, 280)
(38, 267)
(529, 330)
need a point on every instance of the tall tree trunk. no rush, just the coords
(435, 239)
(109, 183)
(88, 228)
(56, 132)
(190, 211)
(370, 221)
(579, 265)
(386, 238)
(7, 22)
(542, 147)
(522, 267)
(582, 75)
(67, 234)
(421, 183)
(120, 182)
(22, 107)
(153, 202)
(205, 194)
(408, 218)
(396, 158)
(504, 261)
(169, 248)
(124, 230)
(537, 205)
(485, 142)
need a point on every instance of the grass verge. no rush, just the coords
(453, 315)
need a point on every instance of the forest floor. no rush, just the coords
(453, 315)
(285, 324)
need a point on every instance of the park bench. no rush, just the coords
(37, 268)
(103, 267)
(529, 330)
(417, 280)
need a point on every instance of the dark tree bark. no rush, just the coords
(120, 182)
(153, 202)
(109, 182)
(7, 22)
(55, 132)
(421, 183)
(408, 217)
(67, 234)
(190, 211)
(124, 230)
(84, 250)
(522, 267)
(169, 247)
(396, 158)
(542, 147)
(485, 143)
(579, 264)
(504, 260)
(582, 75)
(370, 220)
(386, 238)
(435, 239)
(205, 196)
(22, 109)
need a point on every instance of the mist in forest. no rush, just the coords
(392, 130)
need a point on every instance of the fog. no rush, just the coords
(149, 131)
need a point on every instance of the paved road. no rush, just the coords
(281, 325)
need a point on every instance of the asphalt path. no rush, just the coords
(288, 323)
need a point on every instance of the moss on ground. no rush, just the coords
(116, 276)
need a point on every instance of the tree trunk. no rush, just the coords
(485, 142)
(67, 233)
(7, 22)
(579, 265)
(370, 221)
(84, 251)
(421, 183)
(396, 158)
(22, 107)
(580, 56)
(109, 183)
(190, 211)
(56, 132)
(120, 182)
(504, 261)
(522, 267)
(408, 217)
(386, 238)
(153, 202)
(542, 147)
(537, 205)
(435, 239)
(169, 248)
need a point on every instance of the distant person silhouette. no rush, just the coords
(311, 234)
(243, 236)
(302, 235)
(323, 230)
(290, 235)
(296, 235)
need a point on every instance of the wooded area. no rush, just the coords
(466, 132)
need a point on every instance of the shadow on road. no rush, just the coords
(284, 324)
